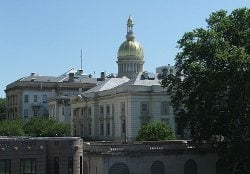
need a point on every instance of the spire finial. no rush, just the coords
(130, 24)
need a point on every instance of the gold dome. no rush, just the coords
(130, 54)
(130, 48)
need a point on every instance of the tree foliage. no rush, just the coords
(11, 128)
(211, 89)
(2, 108)
(154, 132)
(43, 127)
(35, 127)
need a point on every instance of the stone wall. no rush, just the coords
(170, 157)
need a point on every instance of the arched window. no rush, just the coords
(221, 167)
(164, 108)
(157, 168)
(119, 168)
(190, 167)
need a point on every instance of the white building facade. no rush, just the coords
(117, 113)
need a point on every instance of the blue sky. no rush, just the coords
(46, 36)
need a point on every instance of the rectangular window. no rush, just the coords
(25, 114)
(89, 130)
(108, 129)
(122, 108)
(35, 113)
(35, 98)
(76, 112)
(53, 111)
(165, 108)
(101, 129)
(89, 111)
(123, 127)
(70, 165)
(26, 99)
(82, 111)
(101, 110)
(28, 166)
(144, 108)
(5, 166)
(56, 165)
(145, 115)
(107, 109)
(44, 98)
(62, 110)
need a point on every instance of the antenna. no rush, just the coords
(81, 58)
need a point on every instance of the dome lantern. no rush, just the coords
(130, 33)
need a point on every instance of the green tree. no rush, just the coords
(54, 128)
(155, 131)
(211, 90)
(2, 108)
(11, 128)
(44, 127)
